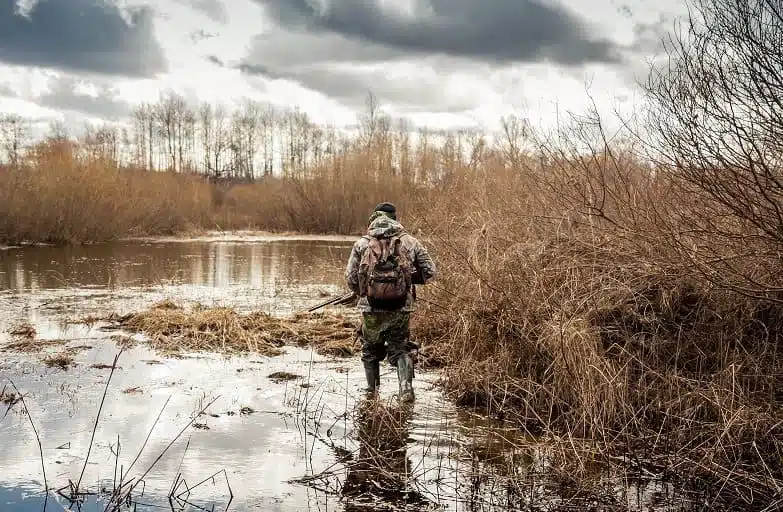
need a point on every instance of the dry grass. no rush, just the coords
(334, 199)
(171, 329)
(586, 322)
(62, 360)
(8, 397)
(24, 331)
(31, 345)
(279, 377)
(61, 196)
(574, 296)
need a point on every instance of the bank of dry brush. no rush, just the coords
(61, 194)
(569, 303)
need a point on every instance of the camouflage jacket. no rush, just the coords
(383, 226)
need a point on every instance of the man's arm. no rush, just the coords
(352, 270)
(425, 267)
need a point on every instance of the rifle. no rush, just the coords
(342, 299)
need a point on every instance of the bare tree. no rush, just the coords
(514, 131)
(403, 151)
(14, 136)
(173, 116)
(268, 119)
(144, 135)
(245, 138)
(368, 122)
(103, 143)
(716, 122)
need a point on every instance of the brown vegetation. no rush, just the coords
(31, 345)
(279, 377)
(187, 169)
(24, 330)
(60, 195)
(62, 360)
(172, 330)
(588, 294)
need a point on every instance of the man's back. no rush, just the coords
(382, 226)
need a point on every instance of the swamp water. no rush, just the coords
(298, 440)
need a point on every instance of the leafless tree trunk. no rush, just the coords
(214, 139)
(14, 136)
(103, 143)
(268, 140)
(245, 138)
(172, 115)
(144, 131)
(514, 131)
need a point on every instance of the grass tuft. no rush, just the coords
(172, 330)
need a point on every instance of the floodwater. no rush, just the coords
(207, 432)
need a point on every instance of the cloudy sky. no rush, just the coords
(441, 63)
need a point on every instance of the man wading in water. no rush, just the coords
(383, 269)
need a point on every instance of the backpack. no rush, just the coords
(385, 273)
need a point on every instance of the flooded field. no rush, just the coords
(203, 431)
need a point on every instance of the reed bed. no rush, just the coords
(171, 330)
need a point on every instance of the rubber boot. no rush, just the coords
(405, 378)
(372, 371)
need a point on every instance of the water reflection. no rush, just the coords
(213, 264)
(50, 286)
(380, 478)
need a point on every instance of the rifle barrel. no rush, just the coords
(333, 300)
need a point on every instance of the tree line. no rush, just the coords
(254, 140)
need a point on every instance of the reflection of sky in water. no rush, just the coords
(261, 451)
(203, 263)
(292, 432)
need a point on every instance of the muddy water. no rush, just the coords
(262, 443)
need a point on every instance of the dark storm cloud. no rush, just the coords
(499, 31)
(281, 47)
(80, 35)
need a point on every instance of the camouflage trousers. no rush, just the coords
(385, 335)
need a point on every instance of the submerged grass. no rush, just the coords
(23, 331)
(171, 329)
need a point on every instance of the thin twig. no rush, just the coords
(97, 418)
(37, 437)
